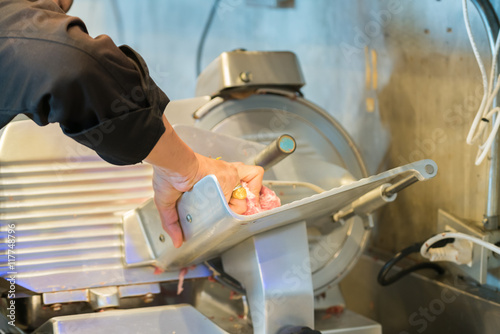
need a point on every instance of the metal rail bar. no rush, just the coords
(491, 216)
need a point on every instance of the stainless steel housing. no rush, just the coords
(67, 204)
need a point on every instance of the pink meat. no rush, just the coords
(266, 201)
(253, 205)
(180, 285)
(182, 274)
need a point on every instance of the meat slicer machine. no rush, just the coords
(90, 255)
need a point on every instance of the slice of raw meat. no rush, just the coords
(267, 200)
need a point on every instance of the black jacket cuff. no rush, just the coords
(124, 140)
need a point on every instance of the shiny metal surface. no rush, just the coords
(397, 187)
(265, 264)
(138, 290)
(366, 205)
(81, 295)
(490, 20)
(346, 323)
(102, 298)
(277, 150)
(227, 309)
(421, 302)
(66, 204)
(181, 111)
(138, 247)
(214, 227)
(258, 118)
(240, 69)
(152, 320)
(262, 118)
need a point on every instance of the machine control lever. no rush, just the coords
(374, 199)
(398, 186)
(273, 153)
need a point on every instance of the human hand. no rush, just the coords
(169, 187)
(253, 176)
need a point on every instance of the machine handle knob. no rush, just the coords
(275, 152)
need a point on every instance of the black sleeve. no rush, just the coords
(52, 71)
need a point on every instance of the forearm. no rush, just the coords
(177, 160)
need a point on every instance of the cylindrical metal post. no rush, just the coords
(275, 152)
(492, 25)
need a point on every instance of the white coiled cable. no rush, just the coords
(484, 114)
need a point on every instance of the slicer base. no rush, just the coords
(151, 320)
(348, 322)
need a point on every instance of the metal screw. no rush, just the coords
(189, 218)
(429, 169)
(148, 298)
(162, 238)
(56, 307)
(245, 76)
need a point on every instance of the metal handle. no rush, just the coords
(397, 187)
(374, 199)
(278, 150)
